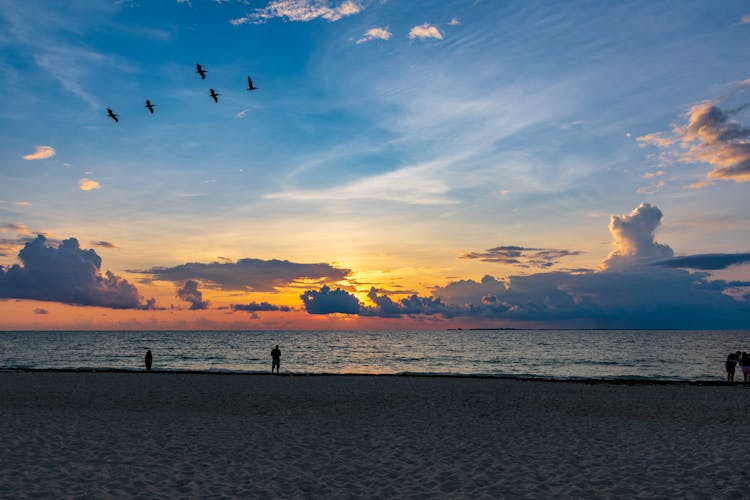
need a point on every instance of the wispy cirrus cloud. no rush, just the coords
(425, 31)
(301, 11)
(88, 184)
(375, 34)
(41, 153)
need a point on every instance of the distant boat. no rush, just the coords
(250, 85)
(150, 106)
(112, 115)
(215, 95)
(199, 69)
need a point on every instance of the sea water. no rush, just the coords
(563, 354)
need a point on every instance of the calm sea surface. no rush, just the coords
(603, 354)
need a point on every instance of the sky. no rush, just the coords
(402, 164)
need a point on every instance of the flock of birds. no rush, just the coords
(202, 72)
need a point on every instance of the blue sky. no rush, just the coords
(453, 127)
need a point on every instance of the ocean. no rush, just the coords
(559, 354)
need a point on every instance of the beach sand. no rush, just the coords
(117, 435)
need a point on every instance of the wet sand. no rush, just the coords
(170, 435)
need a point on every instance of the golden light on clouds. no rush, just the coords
(41, 153)
(88, 184)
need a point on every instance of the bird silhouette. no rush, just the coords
(199, 69)
(112, 115)
(150, 106)
(250, 84)
(215, 95)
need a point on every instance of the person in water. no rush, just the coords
(731, 364)
(149, 359)
(275, 359)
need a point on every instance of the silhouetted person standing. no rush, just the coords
(149, 359)
(275, 359)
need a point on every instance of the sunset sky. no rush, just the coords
(403, 164)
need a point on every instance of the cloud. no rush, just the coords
(710, 136)
(375, 34)
(633, 238)
(190, 293)
(262, 306)
(454, 22)
(329, 301)
(745, 19)
(708, 261)
(521, 256)
(87, 184)
(301, 11)
(242, 113)
(640, 285)
(40, 310)
(41, 153)
(104, 244)
(426, 30)
(249, 274)
(66, 274)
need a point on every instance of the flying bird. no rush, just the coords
(250, 84)
(215, 95)
(199, 69)
(112, 115)
(150, 106)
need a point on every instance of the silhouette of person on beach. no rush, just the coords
(275, 359)
(149, 359)
(731, 364)
(745, 366)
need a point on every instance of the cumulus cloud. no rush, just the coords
(68, 274)
(190, 293)
(640, 285)
(301, 11)
(708, 261)
(633, 238)
(87, 184)
(712, 136)
(521, 256)
(375, 34)
(454, 22)
(425, 30)
(259, 306)
(41, 153)
(329, 301)
(249, 274)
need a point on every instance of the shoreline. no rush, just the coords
(574, 380)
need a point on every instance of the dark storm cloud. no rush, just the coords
(249, 274)
(262, 306)
(708, 261)
(521, 256)
(328, 301)
(190, 293)
(67, 274)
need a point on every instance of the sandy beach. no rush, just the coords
(116, 435)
